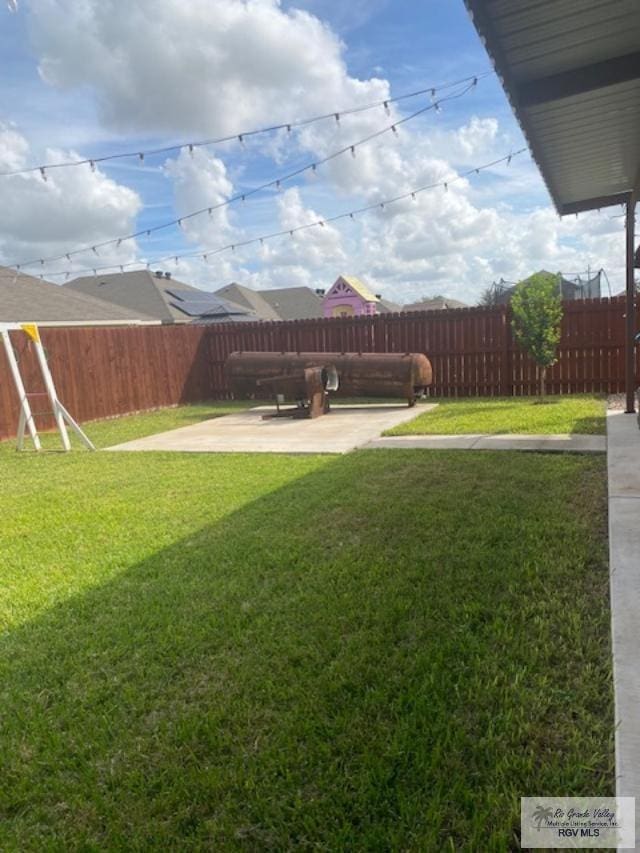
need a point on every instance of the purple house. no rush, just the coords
(349, 297)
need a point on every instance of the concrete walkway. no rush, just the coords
(344, 429)
(559, 443)
(623, 464)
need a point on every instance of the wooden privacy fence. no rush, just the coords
(102, 372)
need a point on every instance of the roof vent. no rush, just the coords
(167, 275)
(158, 273)
(378, 296)
(320, 291)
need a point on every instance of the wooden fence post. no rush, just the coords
(506, 379)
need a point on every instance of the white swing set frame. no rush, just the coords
(60, 414)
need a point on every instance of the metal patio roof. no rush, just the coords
(571, 70)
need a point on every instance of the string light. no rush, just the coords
(269, 184)
(321, 222)
(288, 126)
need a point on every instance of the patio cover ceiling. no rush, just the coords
(571, 70)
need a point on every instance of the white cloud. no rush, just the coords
(213, 67)
(200, 180)
(73, 207)
(168, 66)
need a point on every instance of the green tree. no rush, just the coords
(537, 312)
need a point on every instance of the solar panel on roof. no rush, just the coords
(210, 305)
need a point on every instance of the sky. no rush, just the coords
(91, 78)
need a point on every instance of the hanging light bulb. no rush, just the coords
(353, 151)
(337, 117)
(43, 173)
(141, 156)
(386, 108)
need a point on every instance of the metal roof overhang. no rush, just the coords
(571, 70)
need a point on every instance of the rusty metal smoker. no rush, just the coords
(405, 375)
(307, 386)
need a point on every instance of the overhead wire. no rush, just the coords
(276, 183)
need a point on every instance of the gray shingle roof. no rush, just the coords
(249, 298)
(24, 298)
(385, 306)
(294, 303)
(434, 305)
(140, 291)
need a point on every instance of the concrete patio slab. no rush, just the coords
(344, 429)
(623, 466)
(545, 443)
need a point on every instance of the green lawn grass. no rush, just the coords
(380, 651)
(578, 413)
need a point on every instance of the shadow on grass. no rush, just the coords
(384, 654)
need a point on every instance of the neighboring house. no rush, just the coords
(438, 303)
(155, 294)
(249, 299)
(282, 303)
(385, 306)
(25, 299)
(294, 303)
(350, 297)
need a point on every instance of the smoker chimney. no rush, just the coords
(167, 275)
(158, 273)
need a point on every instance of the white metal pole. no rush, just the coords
(26, 416)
